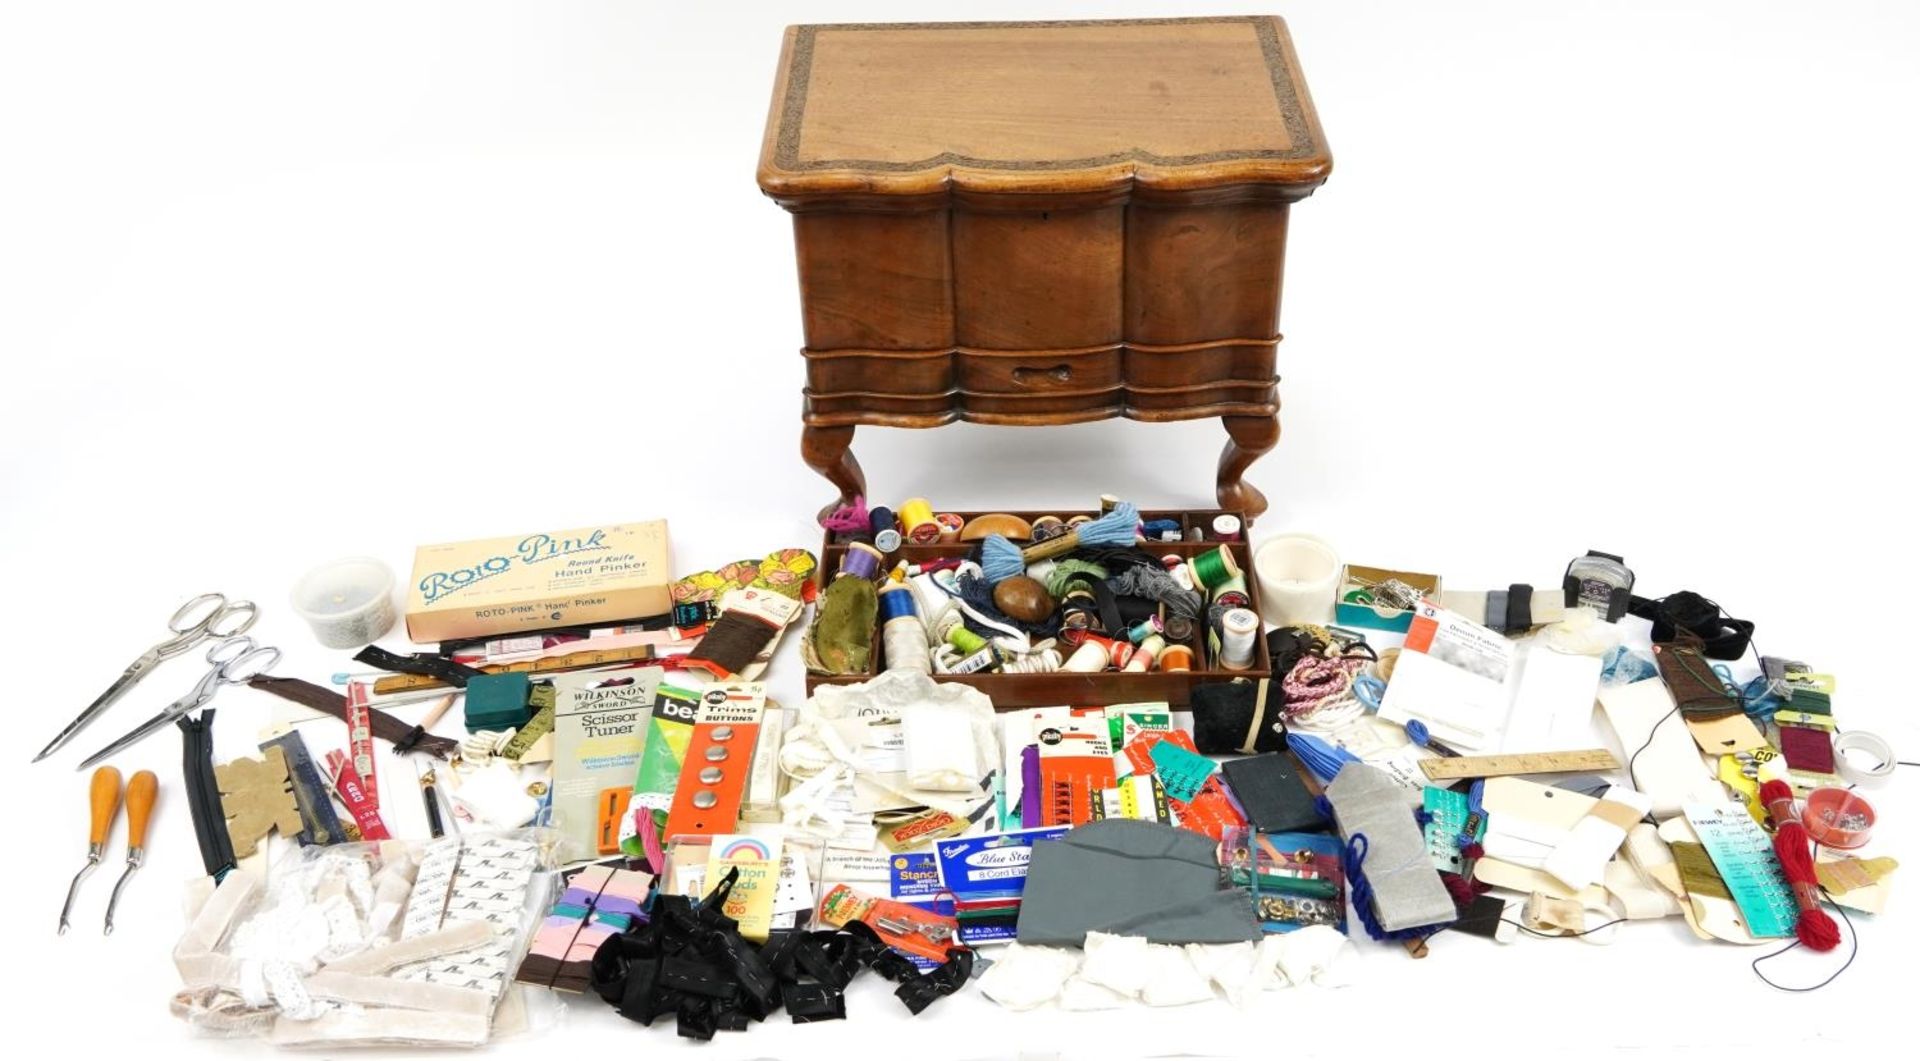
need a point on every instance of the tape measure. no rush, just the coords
(399, 683)
(1589, 760)
(1744, 855)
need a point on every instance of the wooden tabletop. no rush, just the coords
(1040, 107)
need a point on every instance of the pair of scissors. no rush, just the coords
(233, 661)
(208, 615)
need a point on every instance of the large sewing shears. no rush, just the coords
(208, 615)
(233, 661)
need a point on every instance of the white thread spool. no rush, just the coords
(1238, 628)
(1299, 576)
(903, 637)
(1090, 658)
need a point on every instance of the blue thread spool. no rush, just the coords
(1146, 628)
(895, 603)
(886, 533)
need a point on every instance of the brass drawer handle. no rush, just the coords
(1030, 377)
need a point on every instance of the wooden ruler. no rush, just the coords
(1588, 760)
(399, 683)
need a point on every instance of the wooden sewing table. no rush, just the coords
(1037, 223)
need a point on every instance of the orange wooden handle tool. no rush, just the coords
(140, 793)
(105, 797)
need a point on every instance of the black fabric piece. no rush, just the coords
(1722, 637)
(688, 959)
(919, 992)
(1288, 645)
(422, 664)
(1519, 607)
(807, 1003)
(1482, 917)
(203, 795)
(385, 726)
(1270, 791)
(1223, 711)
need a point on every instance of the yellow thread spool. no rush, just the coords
(916, 515)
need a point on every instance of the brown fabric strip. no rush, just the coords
(326, 701)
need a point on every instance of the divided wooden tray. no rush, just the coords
(1014, 691)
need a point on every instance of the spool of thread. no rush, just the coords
(1048, 527)
(1226, 527)
(1089, 658)
(1145, 653)
(1107, 503)
(1213, 568)
(916, 515)
(1177, 567)
(886, 536)
(1145, 628)
(1239, 628)
(965, 640)
(950, 526)
(862, 561)
(1299, 577)
(1233, 594)
(902, 636)
(1175, 659)
(1118, 652)
(987, 658)
(1179, 628)
(1160, 530)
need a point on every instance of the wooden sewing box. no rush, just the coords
(1038, 223)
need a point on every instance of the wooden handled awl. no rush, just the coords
(140, 793)
(104, 796)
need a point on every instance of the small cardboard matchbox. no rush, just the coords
(536, 581)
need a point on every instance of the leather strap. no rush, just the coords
(1259, 717)
(423, 664)
(405, 738)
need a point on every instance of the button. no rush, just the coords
(721, 733)
(716, 753)
(711, 775)
(705, 799)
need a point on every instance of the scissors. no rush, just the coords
(234, 660)
(208, 615)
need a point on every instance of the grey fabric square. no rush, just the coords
(1131, 878)
(1407, 891)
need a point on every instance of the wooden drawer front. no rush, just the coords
(1200, 273)
(1038, 280)
(1190, 403)
(1082, 384)
(875, 281)
(918, 373)
(1039, 373)
(1199, 364)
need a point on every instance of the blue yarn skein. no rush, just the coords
(1000, 559)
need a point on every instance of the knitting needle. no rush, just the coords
(140, 792)
(104, 795)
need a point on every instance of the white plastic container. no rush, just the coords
(348, 603)
(1298, 576)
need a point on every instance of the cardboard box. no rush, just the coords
(1395, 620)
(536, 581)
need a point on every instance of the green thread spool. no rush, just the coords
(1213, 568)
(965, 640)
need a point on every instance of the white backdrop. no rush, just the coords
(280, 283)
